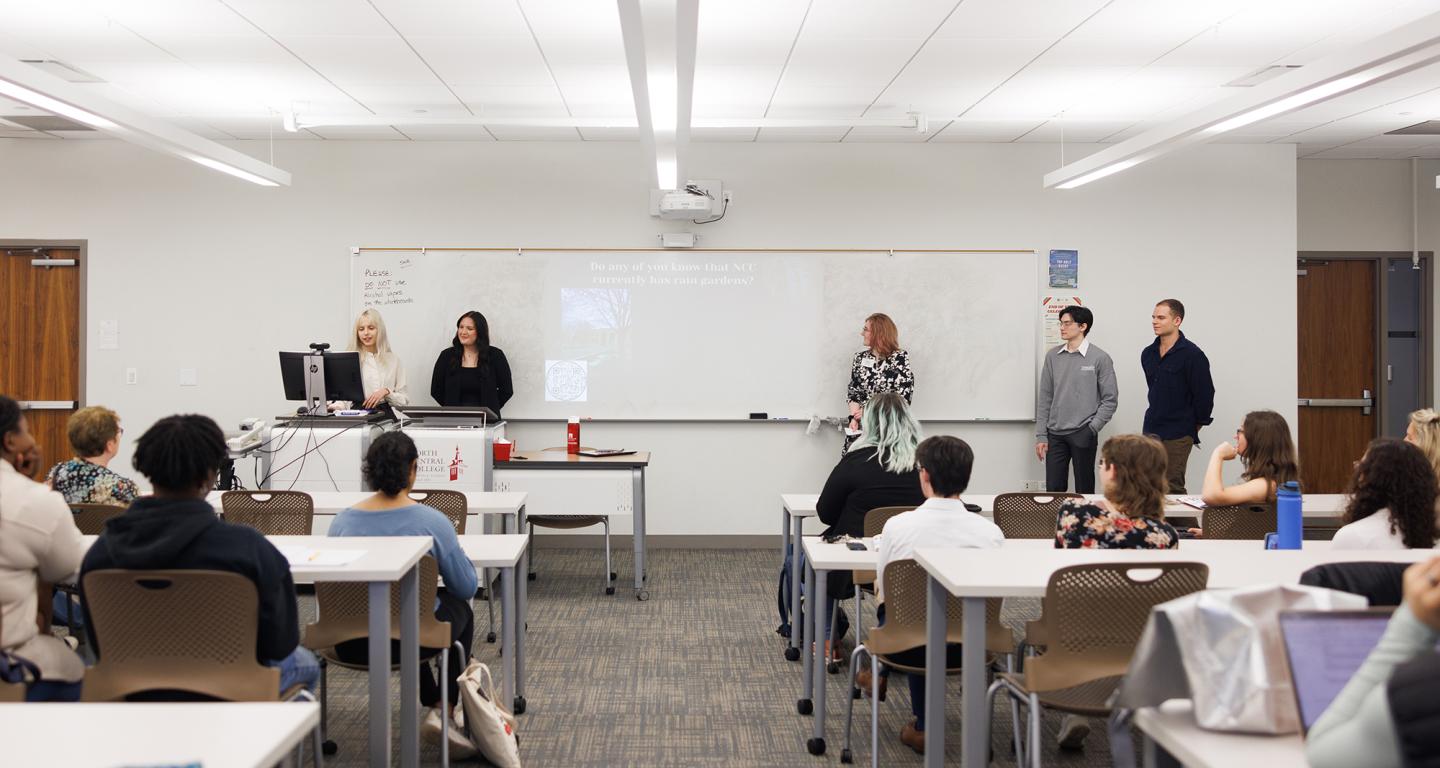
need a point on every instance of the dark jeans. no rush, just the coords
(915, 657)
(462, 629)
(1077, 447)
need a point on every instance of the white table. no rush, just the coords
(794, 508)
(387, 559)
(1172, 737)
(976, 574)
(506, 552)
(103, 735)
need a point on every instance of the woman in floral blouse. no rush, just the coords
(94, 433)
(881, 367)
(1132, 516)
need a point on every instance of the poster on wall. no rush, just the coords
(1050, 308)
(1064, 269)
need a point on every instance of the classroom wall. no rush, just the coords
(1366, 205)
(202, 271)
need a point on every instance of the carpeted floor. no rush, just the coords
(693, 677)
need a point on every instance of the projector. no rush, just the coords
(683, 204)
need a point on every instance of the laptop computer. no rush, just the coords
(1324, 649)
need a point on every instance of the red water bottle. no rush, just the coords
(572, 436)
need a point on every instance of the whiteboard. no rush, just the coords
(698, 335)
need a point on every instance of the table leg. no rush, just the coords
(410, 668)
(380, 673)
(807, 645)
(522, 611)
(816, 612)
(936, 620)
(974, 741)
(797, 526)
(507, 581)
(637, 475)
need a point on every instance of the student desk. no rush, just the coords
(217, 735)
(387, 559)
(506, 552)
(1172, 738)
(1021, 571)
(538, 471)
(1324, 510)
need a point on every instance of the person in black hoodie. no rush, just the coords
(177, 529)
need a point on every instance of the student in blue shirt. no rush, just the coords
(390, 469)
(1182, 394)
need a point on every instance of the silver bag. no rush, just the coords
(1228, 644)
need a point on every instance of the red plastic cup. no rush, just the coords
(502, 451)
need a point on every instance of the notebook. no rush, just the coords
(1324, 649)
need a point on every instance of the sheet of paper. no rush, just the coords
(1191, 501)
(310, 557)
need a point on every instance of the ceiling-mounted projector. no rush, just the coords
(694, 201)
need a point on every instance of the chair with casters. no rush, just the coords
(1030, 515)
(1093, 617)
(273, 513)
(906, 584)
(191, 632)
(572, 522)
(864, 581)
(1238, 521)
(90, 518)
(344, 614)
(456, 509)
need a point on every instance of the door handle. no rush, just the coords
(48, 405)
(1366, 402)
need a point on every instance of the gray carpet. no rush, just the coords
(693, 677)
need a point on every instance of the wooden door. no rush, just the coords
(1337, 343)
(40, 342)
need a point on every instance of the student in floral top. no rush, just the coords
(1132, 516)
(94, 433)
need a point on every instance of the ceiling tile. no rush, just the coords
(1078, 131)
(484, 60)
(447, 133)
(455, 18)
(1043, 92)
(359, 133)
(530, 133)
(313, 18)
(1014, 19)
(513, 101)
(864, 133)
(380, 60)
(949, 76)
(1136, 32)
(973, 129)
(802, 134)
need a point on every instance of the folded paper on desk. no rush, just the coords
(1192, 501)
(309, 557)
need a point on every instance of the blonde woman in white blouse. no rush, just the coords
(380, 369)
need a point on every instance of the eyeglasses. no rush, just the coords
(1240, 431)
(1103, 464)
(1067, 323)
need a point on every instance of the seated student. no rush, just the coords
(1132, 515)
(877, 471)
(389, 468)
(94, 434)
(1392, 500)
(944, 467)
(38, 542)
(1385, 716)
(1264, 446)
(1423, 432)
(176, 529)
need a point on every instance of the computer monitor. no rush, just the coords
(341, 371)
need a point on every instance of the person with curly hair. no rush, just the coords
(1392, 500)
(1264, 447)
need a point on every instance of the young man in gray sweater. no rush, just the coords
(1078, 396)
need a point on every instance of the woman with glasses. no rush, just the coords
(882, 366)
(1423, 432)
(1265, 449)
(1132, 515)
(94, 434)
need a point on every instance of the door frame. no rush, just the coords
(1382, 319)
(83, 343)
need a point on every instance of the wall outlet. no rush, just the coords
(1035, 485)
(188, 378)
(132, 376)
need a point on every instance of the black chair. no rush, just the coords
(1380, 583)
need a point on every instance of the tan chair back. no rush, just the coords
(906, 583)
(192, 631)
(1029, 515)
(90, 518)
(273, 513)
(1093, 615)
(1238, 521)
(874, 523)
(344, 612)
(452, 504)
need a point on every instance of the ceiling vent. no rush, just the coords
(1427, 128)
(1261, 75)
(62, 70)
(47, 123)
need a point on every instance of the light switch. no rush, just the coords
(132, 376)
(188, 378)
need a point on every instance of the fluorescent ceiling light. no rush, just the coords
(667, 173)
(36, 99)
(659, 38)
(1402, 50)
(23, 82)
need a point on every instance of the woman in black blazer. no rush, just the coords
(470, 371)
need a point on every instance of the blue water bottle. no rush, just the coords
(1288, 517)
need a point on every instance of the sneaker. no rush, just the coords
(1073, 731)
(913, 738)
(430, 730)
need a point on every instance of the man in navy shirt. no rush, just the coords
(1181, 391)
